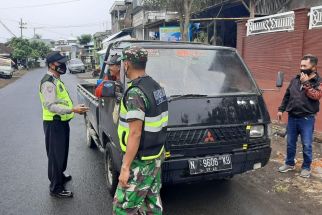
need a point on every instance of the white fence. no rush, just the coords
(315, 17)
(273, 23)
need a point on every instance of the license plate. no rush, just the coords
(210, 164)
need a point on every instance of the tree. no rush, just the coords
(265, 7)
(39, 50)
(184, 8)
(21, 48)
(37, 36)
(84, 39)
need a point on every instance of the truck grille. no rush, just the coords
(197, 136)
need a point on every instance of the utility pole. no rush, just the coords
(22, 26)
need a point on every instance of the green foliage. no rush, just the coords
(202, 37)
(21, 48)
(84, 39)
(24, 49)
(40, 49)
(37, 36)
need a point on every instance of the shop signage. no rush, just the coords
(170, 34)
(315, 17)
(273, 23)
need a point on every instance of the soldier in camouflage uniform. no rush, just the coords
(141, 138)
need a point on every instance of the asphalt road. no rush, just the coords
(23, 169)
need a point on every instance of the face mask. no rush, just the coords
(307, 71)
(61, 69)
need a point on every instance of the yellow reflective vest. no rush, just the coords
(153, 136)
(61, 94)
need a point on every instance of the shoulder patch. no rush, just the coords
(159, 96)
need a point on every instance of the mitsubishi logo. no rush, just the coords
(209, 137)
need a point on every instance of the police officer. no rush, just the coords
(142, 134)
(58, 110)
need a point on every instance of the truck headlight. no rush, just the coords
(256, 131)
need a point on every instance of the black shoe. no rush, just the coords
(62, 194)
(67, 178)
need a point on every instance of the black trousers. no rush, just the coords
(57, 146)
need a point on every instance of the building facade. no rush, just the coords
(277, 43)
(120, 16)
(68, 47)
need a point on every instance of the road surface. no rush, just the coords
(23, 170)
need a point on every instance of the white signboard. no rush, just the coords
(315, 17)
(155, 15)
(273, 23)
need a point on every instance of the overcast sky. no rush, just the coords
(54, 19)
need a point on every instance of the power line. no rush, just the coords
(42, 25)
(72, 26)
(11, 20)
(68, 26)
(39, 5)
(7, 28)
(60, 34)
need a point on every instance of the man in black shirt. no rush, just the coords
(301, 101)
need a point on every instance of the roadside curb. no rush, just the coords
(16, 75)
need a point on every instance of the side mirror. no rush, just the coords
(108, 89)
(280, 79)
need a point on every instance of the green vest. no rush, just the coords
(153, 136)
(61, 95)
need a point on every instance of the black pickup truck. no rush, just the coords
(218, 122)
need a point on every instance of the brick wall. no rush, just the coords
(266, 54)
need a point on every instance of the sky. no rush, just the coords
(54, 19)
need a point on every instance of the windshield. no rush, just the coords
(76, 61)
(5, 62)
(203, 72)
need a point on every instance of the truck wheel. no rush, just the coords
(111, 174)
(89, 140)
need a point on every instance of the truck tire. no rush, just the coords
(111, 174)
(89, 140)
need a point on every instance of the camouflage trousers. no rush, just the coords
(143, 195)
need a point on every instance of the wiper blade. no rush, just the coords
(177, 97)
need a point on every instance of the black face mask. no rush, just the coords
(61, 69)
(307, 71)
